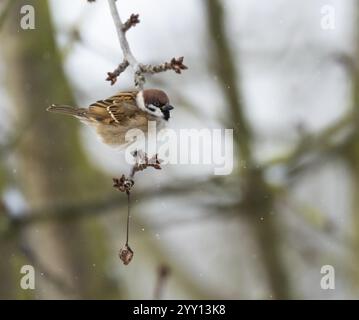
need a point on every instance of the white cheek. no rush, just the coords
(140, 101)
(157, 113)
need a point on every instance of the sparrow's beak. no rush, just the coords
(167, 107)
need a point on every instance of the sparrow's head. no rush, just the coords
(154, 102)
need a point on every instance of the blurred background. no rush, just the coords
(283, 74)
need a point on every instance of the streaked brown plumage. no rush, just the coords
(114, 116)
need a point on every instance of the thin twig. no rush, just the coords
(128, 216)
(125, 185)
(112, 76)
(175, 64)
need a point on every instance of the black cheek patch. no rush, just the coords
(166, 114)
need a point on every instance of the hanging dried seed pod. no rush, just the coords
(125, 254)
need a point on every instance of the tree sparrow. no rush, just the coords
(114, 116)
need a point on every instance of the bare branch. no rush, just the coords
(112, 76)
(121, 33)
(129, 60)
(175, 64)
(125, 184)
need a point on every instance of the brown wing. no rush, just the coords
(117, 109)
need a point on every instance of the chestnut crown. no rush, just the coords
(157, 103)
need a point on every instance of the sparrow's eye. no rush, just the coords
(151, 109)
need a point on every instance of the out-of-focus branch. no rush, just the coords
(162, 276)
(44, 271)
(74, 211)
(316, 145)
(226, 69)
(46, 154)
(14, 138)
(252, 184)
(353, 154)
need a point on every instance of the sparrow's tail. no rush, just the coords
(72, 111)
